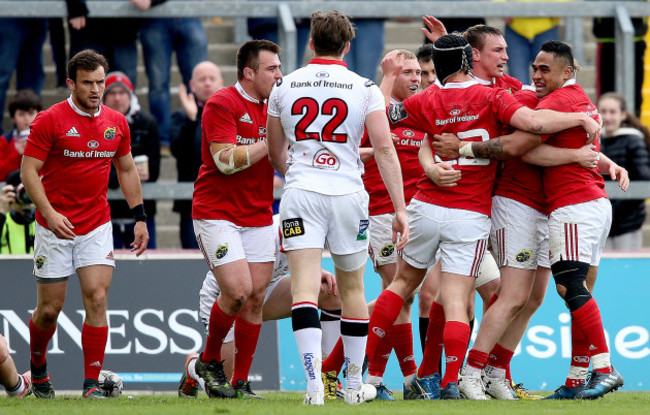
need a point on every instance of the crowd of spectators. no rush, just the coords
(177, 131)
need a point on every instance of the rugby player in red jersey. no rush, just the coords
(477, 113)
(232, 214)
(65, 170)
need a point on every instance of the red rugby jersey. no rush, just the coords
(407, 144)
(243, 198)
(570, 184)
(474, 113)
(518, 180)
(77, 150)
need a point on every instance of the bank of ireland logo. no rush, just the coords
(222, 251)
(39, 261)
(109, 133)
(93, 144)
(454, 112)
(408, 133)
(523, 256)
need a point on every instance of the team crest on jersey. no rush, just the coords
(363, 230)
(39, 261)
(397, 113)
(325, 160)
(109, 133)
(292, 227)
(222, 251)
(454, 112)
(278, 82)
(523, 256)
(92, 144)
(368, 83)
(322, 74)
(387, 250)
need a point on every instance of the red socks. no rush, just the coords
(220, 324)
(246, 336)
(384, 314)
(477, 359)
(377, 365)
(335, 359)
(93, 342)
(589, 321)
(38, 342)
(433, 347)
(501, 357)
(401, 337)
(456, 340)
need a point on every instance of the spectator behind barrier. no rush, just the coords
(145, 147)
(23, 108)
(17, 215)
(625, 146)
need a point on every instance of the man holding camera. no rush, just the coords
(16, 218)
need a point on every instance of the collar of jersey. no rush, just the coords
(244, 94)
(483, 81)
(80, 112)
(327, 62)
(571, 81)
(459, 85)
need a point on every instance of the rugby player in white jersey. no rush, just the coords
(321, 111)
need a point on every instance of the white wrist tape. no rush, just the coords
(229, 167)
(466, 150)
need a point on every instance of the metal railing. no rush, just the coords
(286, 11)
(183, 191)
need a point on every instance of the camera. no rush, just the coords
(22, 198)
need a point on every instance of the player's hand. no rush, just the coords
(188, 102)
(328, 283)
(60, 226)
(592, 127)
(443, 174)
(618, 172)
(139, 244)
(435, 29)
(401, 227)
(7, 197)
(446, 145)
(587, 156)
(78, 23)
(142, 4)
(392, 63)
(143, 172)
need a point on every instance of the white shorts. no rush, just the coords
(578, 232)
(59, 258)
(310, 219)
(208, 295)
(382, 249)
(519, 234)
(223, 242)
(461, 235)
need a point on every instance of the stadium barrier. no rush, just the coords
(573, 11)
(154, 324)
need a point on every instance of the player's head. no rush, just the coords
(206, 80)
(553, 66)
(23, 108)
(489, 50)
(86, 72)
(425, 58)
(331, 33)
(118, 92)
(258, 67)
(452, 54)
(407, 82)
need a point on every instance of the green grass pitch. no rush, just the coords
(285, 403)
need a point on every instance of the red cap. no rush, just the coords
(118, 79)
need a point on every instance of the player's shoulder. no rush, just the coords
(510, 83)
